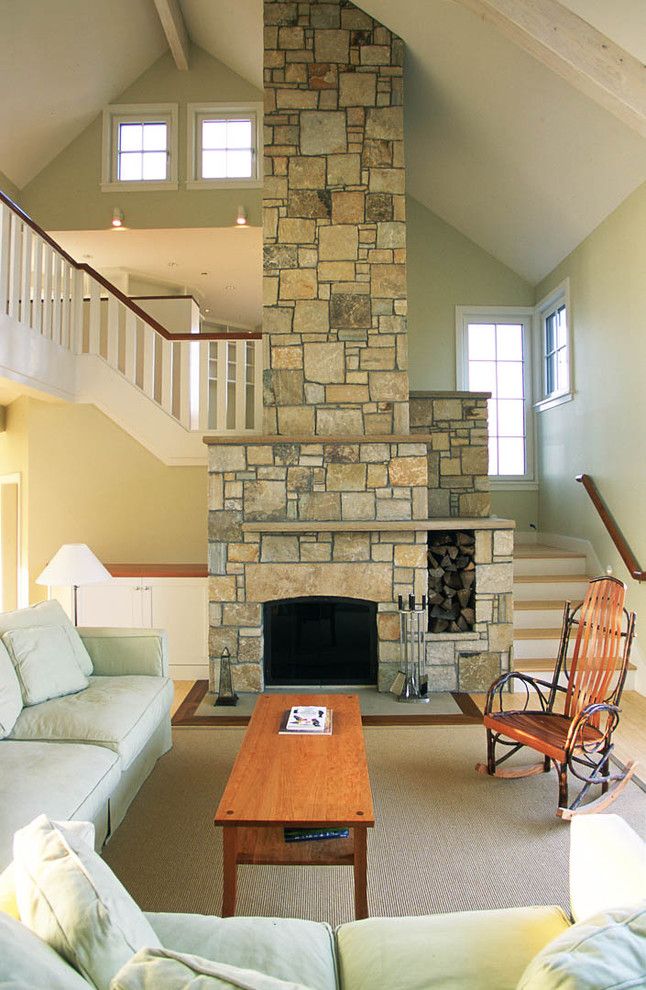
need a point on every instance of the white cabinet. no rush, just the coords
(178, 605)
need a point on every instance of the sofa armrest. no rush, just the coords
(607, 865)
(126, 651)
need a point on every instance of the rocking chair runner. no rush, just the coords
(577, 738)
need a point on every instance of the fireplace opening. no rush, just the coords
(320, 641)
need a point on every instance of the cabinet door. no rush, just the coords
(113, 603)
(180, 606)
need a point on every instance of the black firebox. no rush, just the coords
(320, 641)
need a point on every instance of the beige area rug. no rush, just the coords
(446, 838)
(377, 708)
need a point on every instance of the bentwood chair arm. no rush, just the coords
(501, 683)
(587, 718)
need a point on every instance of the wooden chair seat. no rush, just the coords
(542, 731)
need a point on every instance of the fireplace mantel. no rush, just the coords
(377, 525)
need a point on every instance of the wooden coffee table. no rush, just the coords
(298, 781)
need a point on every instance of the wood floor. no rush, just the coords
(630, 738)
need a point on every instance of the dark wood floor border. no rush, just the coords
(185, 714)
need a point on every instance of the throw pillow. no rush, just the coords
(44, 661)
(10, 694)
(49, 613)
(27, 962)
(151, 969)
(69, 897)
(606, 952)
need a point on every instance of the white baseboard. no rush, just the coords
(189, 671)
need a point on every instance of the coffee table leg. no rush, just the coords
(229, 870)
(360, 873)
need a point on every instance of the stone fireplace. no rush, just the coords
(337, 497)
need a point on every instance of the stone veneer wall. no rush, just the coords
(334, 222)
(458, 451)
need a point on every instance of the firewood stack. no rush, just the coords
(451, 582)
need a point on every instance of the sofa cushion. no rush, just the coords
(285, 948)
(44, 661)
(484, 949)
(120, 713)
(64, 781)
(606, 952)
(606, 839)
(71, 899)
(48, 614)
(152, 969)
(26, 962)
(10, 693)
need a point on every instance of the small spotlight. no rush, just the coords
(118, 218)
(241, 219)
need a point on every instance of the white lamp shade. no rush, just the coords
(73, 564)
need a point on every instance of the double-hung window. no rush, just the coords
(555, 375)
(139, 147)
(493, 355)
(223, 146)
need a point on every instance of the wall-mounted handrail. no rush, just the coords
(615, 533)
(140, 313)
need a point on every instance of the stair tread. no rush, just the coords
(549, 578)
(535, 604)
(545, 663)
(530, 553)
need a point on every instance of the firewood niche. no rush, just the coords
(451, 581)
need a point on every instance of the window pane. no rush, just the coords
(214, 134)
(511, 456)
(511, 417)
(154, 165)
(482, 376)
(482, 342)
(130, 137)
(130, 166)
(550, 374)
(214, 164)
(550, 333)
(239, 164)
(509, 342)
(155, 137)
(561, 333)
(510, 379)
(493, 455)
(562, 369)
(239, 134)
(492, 417)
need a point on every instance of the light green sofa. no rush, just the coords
(480, 950)
(84, 756)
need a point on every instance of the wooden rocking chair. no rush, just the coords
(576, 738)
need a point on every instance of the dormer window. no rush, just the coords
(139, 147)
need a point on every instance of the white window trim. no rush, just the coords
(502, 314)
(561, 293)
(194, 112)
(116, 113)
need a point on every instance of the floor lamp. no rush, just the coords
(74, 564)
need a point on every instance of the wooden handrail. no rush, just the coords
(615, 533)
(121, 296)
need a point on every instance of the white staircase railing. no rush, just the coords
(207, 381)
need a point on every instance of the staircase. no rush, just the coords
(544, 579)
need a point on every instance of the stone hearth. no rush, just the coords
(338, 496)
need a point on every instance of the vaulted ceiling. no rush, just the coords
(497, 144)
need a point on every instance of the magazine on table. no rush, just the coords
(312, 720)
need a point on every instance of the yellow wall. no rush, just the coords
(601, 431)
(9, 188)
(66, 195)
(14, 459)
(445, 270)
(87, 481)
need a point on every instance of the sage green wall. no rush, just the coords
(67, 195)
(601, 431)
(445, 270)
(9, 188)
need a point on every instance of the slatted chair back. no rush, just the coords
(597, 648)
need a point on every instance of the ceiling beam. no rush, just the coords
(172, 21)
(568, 45)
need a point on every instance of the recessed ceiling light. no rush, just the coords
(204, 273)
(230, 287)
(172, 264)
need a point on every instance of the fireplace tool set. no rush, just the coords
(412, 623)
